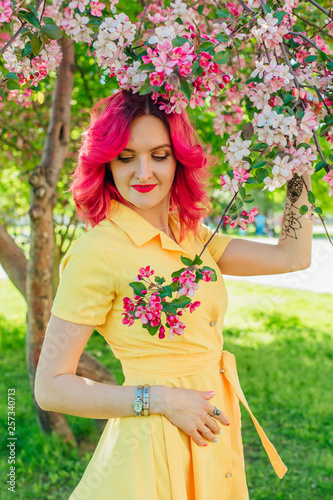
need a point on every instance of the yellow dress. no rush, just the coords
(149, 458)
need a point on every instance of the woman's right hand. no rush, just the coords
(192, 413)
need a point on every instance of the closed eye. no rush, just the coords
(129, 158)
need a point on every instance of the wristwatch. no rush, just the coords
(137, 404)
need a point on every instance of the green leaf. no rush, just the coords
(248, 198)
(148, 66)
(36, 44)
(242, 192)
(318, 210)
(197, 260)
(30, 17)
(186, 89)
(310, 59)
(221, 57)
(239, 204)
(222, 38)
(200, 9)
(181, 302)
(258, 163)
(266, 8)
(11, 76)
(51, 31)
(179, 20)
(12, 85)
(279, 15)
(322, 55)
(168, 290)
(303, 145)
(330, 64)
(259, 146)
(223, 13)
(145, 89)
(328, 119)
(311, 197)
(321, 164)
(179, 41)
(176, 274)
(330, 157)
(251, 180)
(300, 114)
(138, 287)
(27, 49)
(261, 175)
(237, 43)
(287, 98)
(206, 46)
(159, 280)
(48, 20)
(230, 172)
(303, 209)
(186, 261)
(152, 329)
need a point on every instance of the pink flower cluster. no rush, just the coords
(329, 178)
(240, 221)
(5, 11)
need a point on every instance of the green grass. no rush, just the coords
(282, 340)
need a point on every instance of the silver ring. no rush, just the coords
(217, 411)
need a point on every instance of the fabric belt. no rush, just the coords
(148, 367)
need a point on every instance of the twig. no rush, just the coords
(267, 55)
(311, 24)
(21, 28)
(319, 7)
(219, 224)
(283, 48)
(296, 33)
(143, 16)
(245, 7)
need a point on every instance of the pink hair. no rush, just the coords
(107, 135)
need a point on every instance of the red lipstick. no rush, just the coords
(144, 188)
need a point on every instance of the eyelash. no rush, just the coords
(157, 158)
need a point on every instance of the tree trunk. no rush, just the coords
(43, 182)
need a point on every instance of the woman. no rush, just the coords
(140, 183)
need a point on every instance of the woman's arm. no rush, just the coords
(58, 389)
(293, 251)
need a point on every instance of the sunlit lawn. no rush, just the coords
(282, 340)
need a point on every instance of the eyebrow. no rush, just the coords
(153, 149)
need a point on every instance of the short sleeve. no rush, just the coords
(87, 288)
(217, 244)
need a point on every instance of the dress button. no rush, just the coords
(212, 323)
(222, 371)
(228, 474)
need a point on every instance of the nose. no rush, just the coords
(144, 170)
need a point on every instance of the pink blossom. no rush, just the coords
(96, 8)
(176, 326)
(5, 11)
(241, 175)
(193, 306)
(179, 101)
(196, 99)
(329, 178)
(144, 314)
(206, 275)
(128, 319)
(128, 304)
(252, 213)
(157, 18)
(187, 280)
(156, 78)
(78, 4)
(163, 64)
(145, 272)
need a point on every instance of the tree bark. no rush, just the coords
(43, 182)
(13, 261)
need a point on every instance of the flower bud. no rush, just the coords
(226, 78)
(221, 86)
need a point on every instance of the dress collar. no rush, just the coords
(141, 231)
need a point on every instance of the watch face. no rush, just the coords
(137, 405)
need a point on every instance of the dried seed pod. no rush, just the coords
(247, 131)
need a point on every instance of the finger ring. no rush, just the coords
(217, 411)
